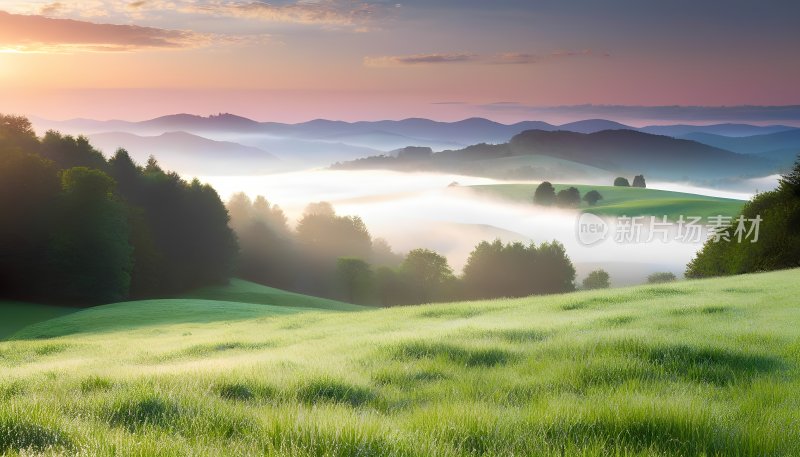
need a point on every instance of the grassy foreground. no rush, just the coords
(627, 201)
(692, 368)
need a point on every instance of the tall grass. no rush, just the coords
(697, 368)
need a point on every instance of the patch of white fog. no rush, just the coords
(742, 189)
(412, 210)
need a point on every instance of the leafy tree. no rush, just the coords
(382, 254)
(330, 236)
(92, 256)
(568, 198)
(29, 190)
(545, 194)
(427, 274)
(267, 253)
(553, 272)
(778, 244)
(16, 133)
(67, 151)
(790, 182)
(661, 277)
(390, 289)
(622, 182)
(322, 237)
(516, 270)
(638, 181)
(597, 279)
(354, 277)
(592, 197)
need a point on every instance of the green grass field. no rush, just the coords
(706, 367)
(234, 297)
(16, 315)
(627, 201)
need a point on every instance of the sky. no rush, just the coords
(636, 61)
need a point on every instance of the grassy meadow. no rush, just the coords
(627, 201)
(707, 367)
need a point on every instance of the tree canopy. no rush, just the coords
(545, 194)
(81, 229)
(592, 197)
(778, 243)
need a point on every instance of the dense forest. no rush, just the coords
(81, 229)
(778, 244)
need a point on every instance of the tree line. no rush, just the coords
(778, 244)
(79, 229)
(335, 256)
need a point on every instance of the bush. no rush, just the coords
(661, 277)
(622, 182)
(597, 279)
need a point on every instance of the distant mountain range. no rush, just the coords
(189, 153)
(322, 142)
(406, 132)
(625, 152)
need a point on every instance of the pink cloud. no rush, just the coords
(39, 33)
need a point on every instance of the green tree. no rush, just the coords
(354, 277)
(638, 181)
(16, 133)
(91, 252)
(427, 274)
(597, 279)
(592, 197)
(568, 198)
(545, 194)
(790, 182)
(67, 151)
(29, 189)
(622, 182)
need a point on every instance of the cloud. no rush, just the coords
(418, 59)
(742, 113)
(508, 58)
(41, 34)
(348, 13)
(515, 58)
(51, 9)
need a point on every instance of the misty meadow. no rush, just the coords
(334, 228)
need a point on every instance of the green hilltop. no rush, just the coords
(627, 201)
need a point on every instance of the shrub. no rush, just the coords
(597, 279)
(660, 277)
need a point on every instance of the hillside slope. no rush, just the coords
(691, 368)
(626, 201)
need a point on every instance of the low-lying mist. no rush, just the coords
(412, 210)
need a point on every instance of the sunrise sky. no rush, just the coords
(445, 59)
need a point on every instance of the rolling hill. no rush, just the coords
(751, 144)
(627, 201)
(690, 368)
(622, 152)
(239, 299)
(636, 152)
